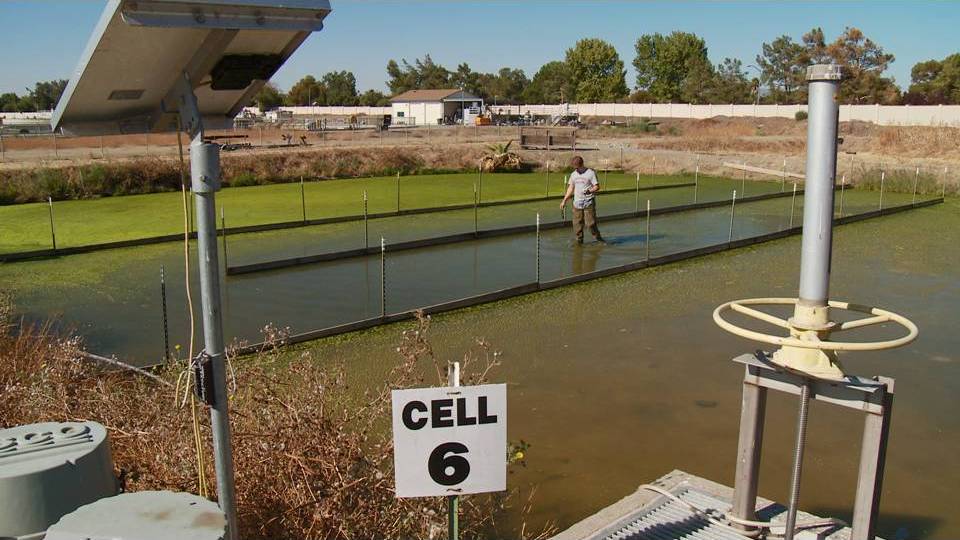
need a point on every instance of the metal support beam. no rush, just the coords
(873, 455)
(752, 412)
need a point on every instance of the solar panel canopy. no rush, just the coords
(140, 50)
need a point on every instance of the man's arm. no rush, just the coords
(594, 183)
(567, 195)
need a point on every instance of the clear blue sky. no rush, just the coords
(43, 39)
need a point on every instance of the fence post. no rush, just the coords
(398, 192)
(547, 182)
(101, 147)
(883, 177)
(733, 206)
(538, 247)
(783, 178)
(56, 150)
(366, 227)
(843, 182)
(636, 202)
(943, 187)
(654, 173)
(696, 181)
(383, 278)
(53, 232)
(743, 180)
(480, 183)
(223, 234)
(646, 241)
(303, 201)
(916, 181)
(163, 305)
(621, 157)
(453, 501)
(476, 229)
(793, 203)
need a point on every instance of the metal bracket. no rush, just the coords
(873, 396)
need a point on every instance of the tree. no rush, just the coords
(269, 97)
(730, 84)
(8, 102)
(673, 68)
(783, 64)
(466, 79)
(306, 91)
(864, 63)
(551, 84)
(340, 89)
(421, 74)
(597, 71)
(374, 98)
(934, 82)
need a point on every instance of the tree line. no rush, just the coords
(669, 68)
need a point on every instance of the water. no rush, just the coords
(613, 382)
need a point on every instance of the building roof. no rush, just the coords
(444, 94)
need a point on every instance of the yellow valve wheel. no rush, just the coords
(877, 316)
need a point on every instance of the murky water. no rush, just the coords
(613, 382)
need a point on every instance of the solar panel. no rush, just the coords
(141, 49)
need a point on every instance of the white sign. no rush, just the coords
(450, 441)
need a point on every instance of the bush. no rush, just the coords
(800, 116)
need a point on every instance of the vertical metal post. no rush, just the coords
(883, 178)
(743, 180)
(873, 454)
(752, 412)
(916, 181)
(476, 220)
(843, 183)
(223, 238)
(383, 278)
(101, 147)
(53, 230)
(546, 183)
(793, 204)
(646, 240)
(56, 150)
(398, 192)
(696, 181)
(621, 157)
(817, 243)
(205, 177)
(163, 307)
(783, 176)
(303, 200)
(798, 461)
(453, 501)
(733, 206)
(943, 187)
(654, 173)
(636, 201)
(366, 225)
(538, 247)
(480, 183)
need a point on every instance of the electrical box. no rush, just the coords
(48, 470)
(144, 515)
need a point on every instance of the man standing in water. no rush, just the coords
(583, 185)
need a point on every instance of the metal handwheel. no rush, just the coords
(879, 316)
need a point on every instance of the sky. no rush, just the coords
(43, 39)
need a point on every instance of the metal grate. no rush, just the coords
(665, 519)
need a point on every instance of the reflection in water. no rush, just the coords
(585, 257)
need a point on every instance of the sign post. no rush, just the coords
(450, 441)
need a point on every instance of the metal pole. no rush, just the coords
(476, 229)
(793, 204)
(843, 182)
(383, 278)
(205, 177)
(398, 192)
(943, 187)
(916, 181)
(743, 180)
(546, 183)
(538, 247)
(818, 192)
(56, 150)
(53, 231)
(453, 501)
(883, 177)
(696, 181)
(366, 225)
(303, 200)
(163, 306)
(223, 237)
(783, 177)
(636, 201)
(101, 147)
(798, 461)
(646, 240)
(654, 173)
(733, 206)
(621, 157)
(479, 183)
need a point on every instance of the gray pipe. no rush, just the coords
(205, 177)
(823, 113)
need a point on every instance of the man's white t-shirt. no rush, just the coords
(580, 182)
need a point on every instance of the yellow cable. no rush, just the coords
(197, 434)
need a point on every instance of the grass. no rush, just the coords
(26, 227)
